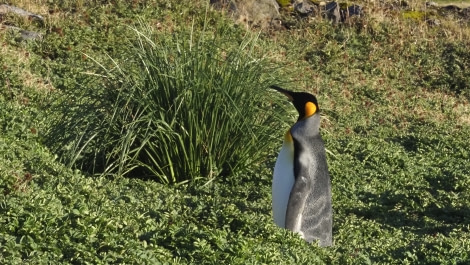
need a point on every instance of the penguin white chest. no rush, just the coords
(283, 181)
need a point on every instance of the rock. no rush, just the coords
(260, 13)
(21, 12)
(353, 10)
(336, 13)
(431, 4)
(454, 12)
(452, 8)
(265, 13)
(305, 8)
(332, 12)
(25, 34)
(465, 12)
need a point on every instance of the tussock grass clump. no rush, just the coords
(184, 107)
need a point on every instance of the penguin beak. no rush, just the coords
(287, 93)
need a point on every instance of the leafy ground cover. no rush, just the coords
(394, 94)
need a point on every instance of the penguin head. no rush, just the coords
(306, 104)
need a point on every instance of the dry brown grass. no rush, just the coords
(17, 57)
(34, 6)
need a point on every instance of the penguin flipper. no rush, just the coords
(296, 205)
(309, 209)
(311, 219)
(317, 220)
(317, 216)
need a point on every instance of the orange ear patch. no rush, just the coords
(310, 109)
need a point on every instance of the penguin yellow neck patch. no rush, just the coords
(310, 109)
(288, 137)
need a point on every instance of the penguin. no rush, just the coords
(301, 188)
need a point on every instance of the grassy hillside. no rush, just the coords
(394, 92)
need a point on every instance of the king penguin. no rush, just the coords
(301, 188)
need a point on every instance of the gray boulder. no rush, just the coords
(332, 12)
(21, 12)
(258, 13)
(329, 10)
(24, 34)
(353, 10)
(305, 8)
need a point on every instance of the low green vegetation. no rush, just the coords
(122, 100)
(189, 106)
